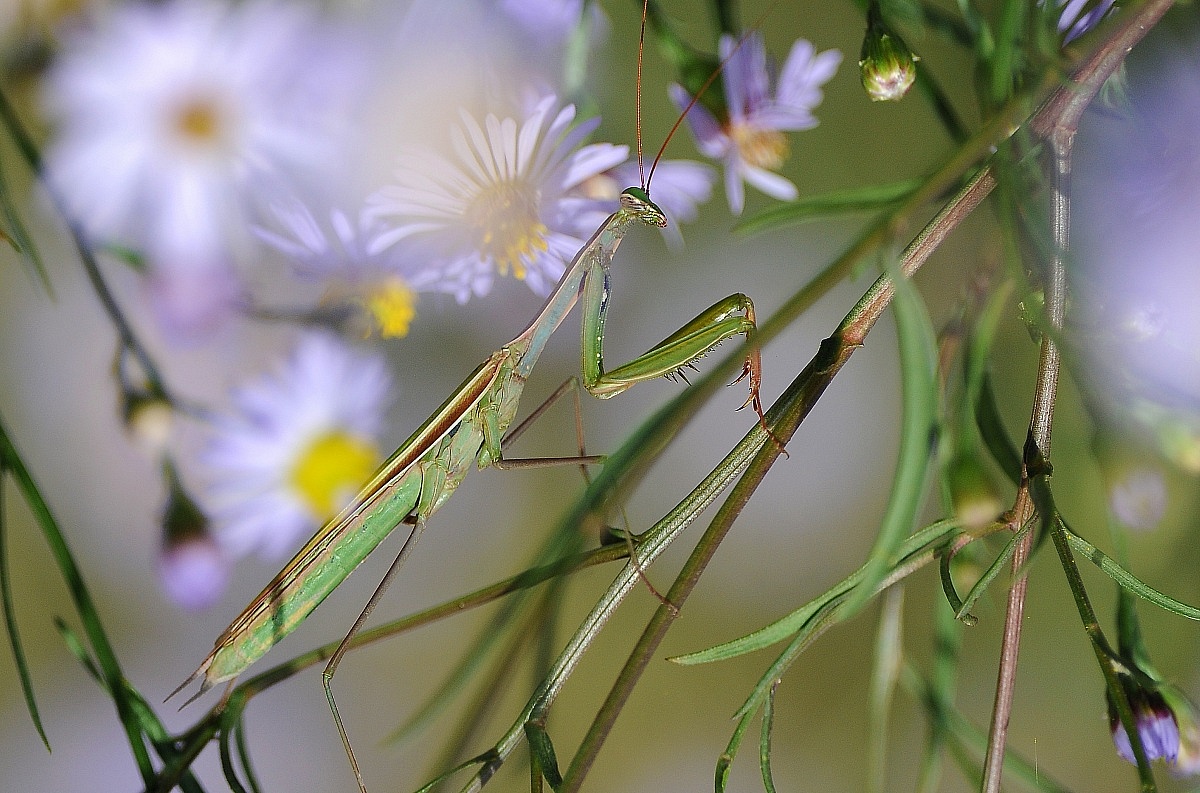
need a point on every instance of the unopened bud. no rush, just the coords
(972, 492)
(888, 67)
(1154, 721)
(192, 568)
(149, 420)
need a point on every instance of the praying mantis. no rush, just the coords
(468, 431)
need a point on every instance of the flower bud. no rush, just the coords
(149, 420)
(1155, 723)
(888, 67)
(191, 566)
(972, 493)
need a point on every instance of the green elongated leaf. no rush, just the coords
(10, 622)
(918, 362)
(989, 575)
(226, 753)
(832, 204)
(13, 231)
(76, 648)
(244, 756)
(951, 593)
(1127, 579)
(991, 429)
(889, 653)
(725, 761)
(928, 537)
(764, 744)
(106, 659)
(542, 750)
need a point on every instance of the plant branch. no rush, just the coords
(1057, 121)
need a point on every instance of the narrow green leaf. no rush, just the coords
(918, 356)
(995, 437)
(226, 753)
(928, 537)
(244, 756)
(13, 231)
(989, 575)
(484, 760)
(725, 761)
(1127, 579)
(764, 744)
(10, 622)
(832, 204)
(889, 652)
(950, 592)
(542, 750)
(93, 627)
(76, 648)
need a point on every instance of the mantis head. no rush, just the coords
(636, 201)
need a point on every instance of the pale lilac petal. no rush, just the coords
(772, 184)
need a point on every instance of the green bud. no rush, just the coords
(182, 519)
(887, 65)
(973, 494)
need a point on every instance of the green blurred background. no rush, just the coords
(811, 523)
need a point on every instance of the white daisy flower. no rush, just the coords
(383, 285)
(499, 207)
(173, 119)
(295, 448)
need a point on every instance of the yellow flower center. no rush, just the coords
(331, 470)
(198, 121)
(391, 304)
(506, 221)
(761, 148)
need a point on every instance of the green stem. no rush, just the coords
(128, 339)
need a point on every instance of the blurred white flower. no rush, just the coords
(680, 187)
(1136, 241)
(1137, 496)
(335, 251)
(749, 140)
(297, 445)
(548, 21)
(191, 299)
(499, 207)
(174, 119)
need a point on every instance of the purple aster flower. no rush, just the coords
(501, 206)
(1156, 725)
(335, 251)
(1077, 18)
(750, 140)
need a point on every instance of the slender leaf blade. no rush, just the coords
(832, 204)
(10, 623)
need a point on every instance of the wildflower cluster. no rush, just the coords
(220, 146)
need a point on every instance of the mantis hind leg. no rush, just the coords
(571, 385)
(335, 659)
